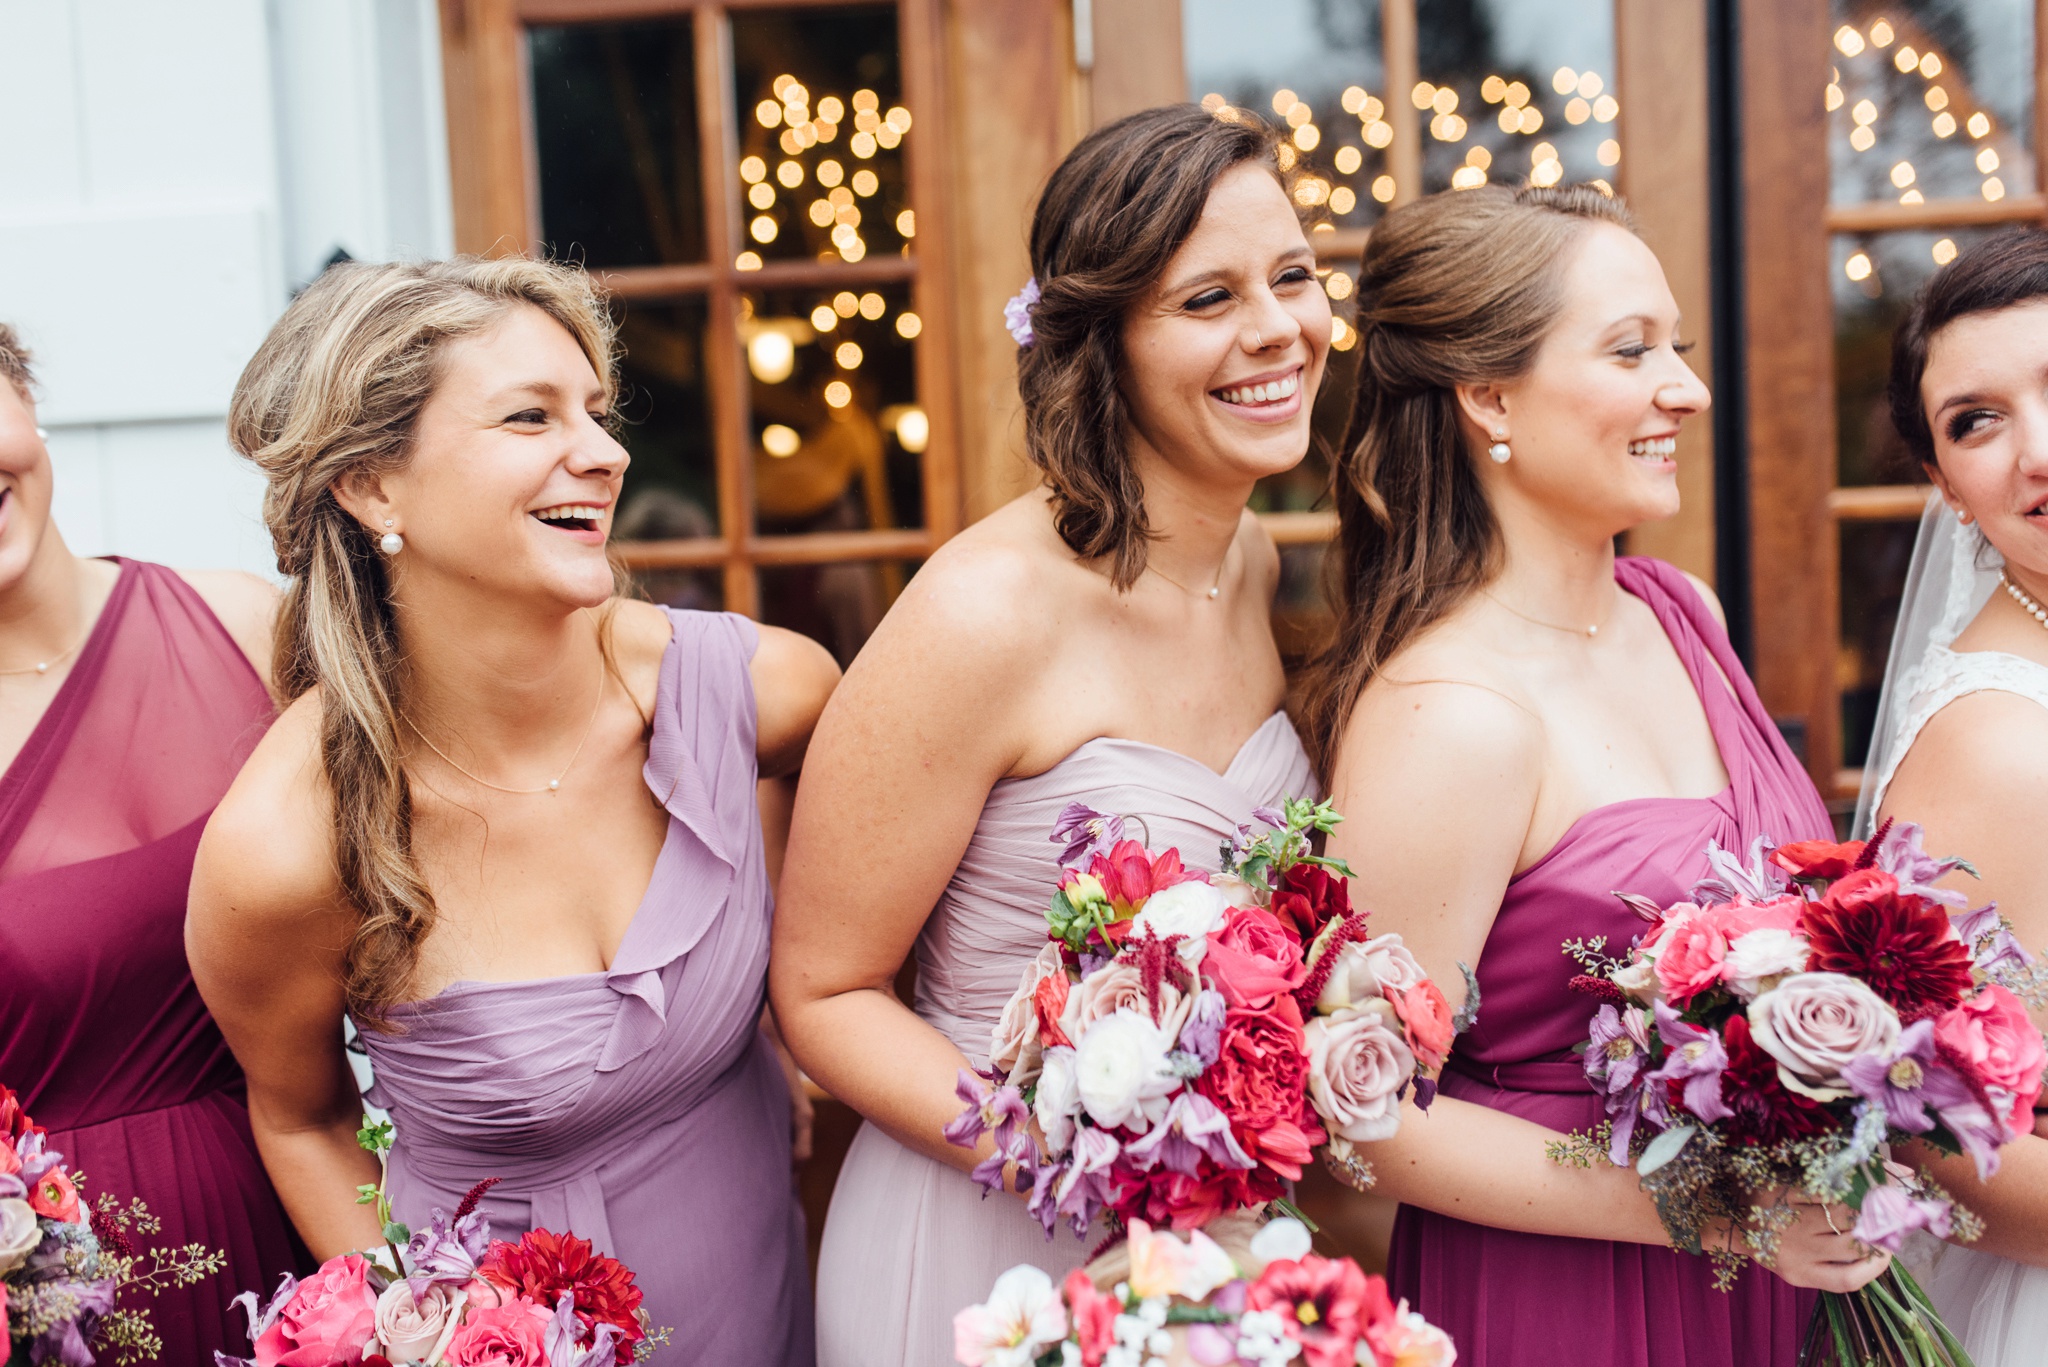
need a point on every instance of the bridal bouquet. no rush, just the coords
(64, 1259)
(1185, 1041)
(1193, 1302)
(455, 1297)
(1779, 1031)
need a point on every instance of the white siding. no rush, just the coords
(171, 174)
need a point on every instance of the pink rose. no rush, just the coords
(477, 1293)
(1815, 1024)
(1692, 946)
(510, 1335)
(1991, 1031)
(1253, 958)
(1357, 1063)
(328, 1322)
(1119, 986)
(1014, 1044)
(54, 1198)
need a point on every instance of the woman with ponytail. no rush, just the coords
(1104, 639)
(507, 820)
(1516, 723)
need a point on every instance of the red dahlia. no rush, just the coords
(1900, 945)
(1765, 1110)
(14, 1121)
(1309, 899)
(543, 1265)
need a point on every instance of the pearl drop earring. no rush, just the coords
(1499, 450)
(391, 543)
(42, 434)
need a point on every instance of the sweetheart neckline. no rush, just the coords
(1279, 714)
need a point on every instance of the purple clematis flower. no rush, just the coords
(1697, 1059)
(560, 1338)
(1017, 313)
(70, 1341)
(1088, 1186)
(1899, 854)
(1192, 1126)
(1616, 1060)
(999, 1109)
(441, 1254)
(1044, 1177)
(1891, 1212)
(1732, 880)
(1271, 816)
(1908, 1080)
(263, 1314)
(1202, 1034)
(1081, 832)
(1991, 940)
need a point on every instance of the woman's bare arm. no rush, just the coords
(265, 931)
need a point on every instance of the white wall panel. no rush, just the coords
(180, 496)
(41, 165)
(79, 498)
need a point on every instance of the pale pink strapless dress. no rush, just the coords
(909, 1241)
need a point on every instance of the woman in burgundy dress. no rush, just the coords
(127, 702)
(1517, 724)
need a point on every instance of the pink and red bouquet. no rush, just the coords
(1189, 1301)
(65, 1259)
(1801, 1014)
(1185, 1041)
(455, 1297)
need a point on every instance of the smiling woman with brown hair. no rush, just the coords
(1102, 639)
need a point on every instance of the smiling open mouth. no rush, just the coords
(1260, 395)
(573, 517)
(1654, 448)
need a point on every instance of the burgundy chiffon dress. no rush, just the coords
(101, 1029)
(1537, 1301)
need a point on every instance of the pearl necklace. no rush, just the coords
(554, 784)
(1589, 630)
(1213, 592)
(43, 666)
(2019, 595)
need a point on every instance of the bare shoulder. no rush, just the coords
(1707, 596)
(986, 600)
(638, 633)
(793, 677)
(246, 605)
(1989, 747)
(268, 850)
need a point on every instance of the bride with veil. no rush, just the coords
(1961, 744)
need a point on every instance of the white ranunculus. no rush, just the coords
(1758, 960)
(1057, 1100)
(19, 1233)
(1638, 979)
(1191, 910)
(1022, 1317)
(1121, 1072)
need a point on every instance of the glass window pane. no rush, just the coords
(1516, 89)
(1874, 560)
(1930, 99)
(615, 132)
(671, 488)
(1311, 66)
(838, 605)
(1875, 277)
(1307, 485)
(837, 432)
(697, 590)
(821, 131)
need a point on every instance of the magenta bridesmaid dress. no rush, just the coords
(101, 1029)
(639, 1108)
(1536, 1301)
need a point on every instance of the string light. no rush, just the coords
(830, 172)
(1348, 160)
(1338, 285)
(865, 182)
(779, 441)
(1605, 109)
(838, 394)
(1307, 137)
(753, 170)
(1848, 41)
(1383, 189)
(1857, 267)
(906, 225)
(1577, 111)
(913, 430)
(908, 325)
(1343, 200)
(761, 196)
(1564, 80)
(823, 318)
(848, 354)
(747, 261)
(1944, 251)
(1342, 335)
(1284, 100)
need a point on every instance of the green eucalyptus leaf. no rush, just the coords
(1663, 1149)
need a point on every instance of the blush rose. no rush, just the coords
(1814, 1024)
(1357, 1065)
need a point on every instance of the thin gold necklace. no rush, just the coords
(43, 666)
(1591, 630)
(1215, 590)
(554, 784)
(2020, 596)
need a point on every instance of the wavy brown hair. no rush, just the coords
(335, 394)
(1110, 220)
(14, 362)
(1458, 288)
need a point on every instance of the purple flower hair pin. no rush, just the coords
(1017, 313)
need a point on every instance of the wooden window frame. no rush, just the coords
(495, 183)
(1797, 509)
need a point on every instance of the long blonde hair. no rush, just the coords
(335, 392)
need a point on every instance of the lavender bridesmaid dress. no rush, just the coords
(101, 1029)
(909, 1241)
(1536, 1301)
(640, 1107)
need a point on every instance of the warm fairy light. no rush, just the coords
(841, 199)
(865, 182)
(1348, 160)
(1213, 102)
(1937, 98)
(866, 100)
(1531, 120)
(1286, 156)
(1445, 101)
(1609, 153)
(790, 174)
(1979, 124)
(1944, 251)
(823, 318)
(906, 224)
(1590, 84)
(1564, 80)
(1383, 189)
(1547, 173)
(1229, 113)
(824, 129)
(1541, 153)
(1343, 200)
(852, 251)
(747, 261)
(861, 144)
(782, 83)
(1422, 95)
(1378, 133)
(1447, 128)
(846, 303)
(913, 430)
(830, 172)
(1857, 267)
(1373, 110)
(761, 196)
(848, 354)
(1284, 100)
(1864, 112)
(844, 235)
(1987, 160)
(771, 355)
(1906, 59)
(872, 306)
(908, 325)
(1307, 137)
(1353, 99)
(1605, 109)
(779, 441)
(1994, 188)
(1342, 335)
(898, 118)
(838, 393)
(1912, 197)
(1903, 174)
(1848, 41)
(1298, 114)
(1944, 124)
(1834, 97)
(768, 113)
(1602, 186)
(1492, 89)
(1310, 191)
(753, 170)
(763, 229)
(788, 142)
(1480, 157)
(821, 213)
(1517, 95)
(1467, 178)
(1862, 139)
(1577, 110)
(1881, 34)
(1930, 66)
(887, 136)
(831, 110)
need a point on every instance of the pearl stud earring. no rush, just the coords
(1499, 450)
(391, 543)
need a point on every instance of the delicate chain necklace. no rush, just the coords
(1590, 630)
(1214, 590)
(43, 666)
(554, 784)
(2019, 595)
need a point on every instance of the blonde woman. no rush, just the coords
(507, 821)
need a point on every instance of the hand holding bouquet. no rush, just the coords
(1780, 1030)
(1175, 1303)
(1185, 1041)
(65, 1259)
(454, 1298)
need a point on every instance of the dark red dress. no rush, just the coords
(101, 1029)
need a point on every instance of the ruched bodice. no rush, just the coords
(640, 1107)
(909, 1240)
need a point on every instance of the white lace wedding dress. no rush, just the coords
(1997, 1307)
